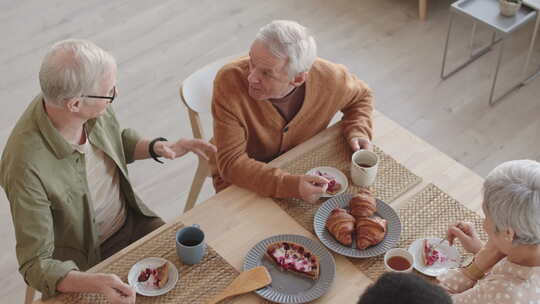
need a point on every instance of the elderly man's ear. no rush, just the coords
(73, 105)
(299, 79)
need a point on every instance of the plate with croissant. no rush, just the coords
(357, 225)
(153, 276)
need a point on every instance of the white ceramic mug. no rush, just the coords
(400, 253)
(364, 165)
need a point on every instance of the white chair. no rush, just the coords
(196, 94)
(29, 295)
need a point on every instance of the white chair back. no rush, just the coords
(197, 88)
(196, 94)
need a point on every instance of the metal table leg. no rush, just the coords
(526, 79)
(471, 43)
(445, 52)
(475, 54)
(499, 59)
(529, 54)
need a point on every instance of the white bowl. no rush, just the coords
(400, 253)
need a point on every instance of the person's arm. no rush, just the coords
(464, 282)
(110, 285)
(172, 150)
(34, 233)
(466, 291)
(233, 163)
(357, 121)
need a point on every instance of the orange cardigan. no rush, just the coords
(249, 133)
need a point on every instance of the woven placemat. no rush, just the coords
(428, 214)
(196, 284)
(393, 179)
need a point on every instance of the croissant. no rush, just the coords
(340, 224)
(363, 204)
(369, 231)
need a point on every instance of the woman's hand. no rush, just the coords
(467, 236)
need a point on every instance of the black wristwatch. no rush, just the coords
(151, 148)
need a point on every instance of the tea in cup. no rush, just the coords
(398, 260)
(364, 165)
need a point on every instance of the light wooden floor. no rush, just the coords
(159, 43)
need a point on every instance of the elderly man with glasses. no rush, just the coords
(64, 170)
(273, 100)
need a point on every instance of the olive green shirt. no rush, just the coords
(44, 178)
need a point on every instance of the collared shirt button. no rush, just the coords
(286, 129)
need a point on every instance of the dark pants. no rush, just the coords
(135, 227)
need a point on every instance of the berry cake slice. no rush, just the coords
(333, 186)
(155, 277)
(431, 255)
(295, 258)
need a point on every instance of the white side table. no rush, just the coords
(486, 12)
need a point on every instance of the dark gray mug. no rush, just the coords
(190, 246)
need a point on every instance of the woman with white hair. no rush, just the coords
(506, 269)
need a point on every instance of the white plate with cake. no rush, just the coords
(153, 276)
(433, 256)
(302, 270)
(357, 225)
(337, 181)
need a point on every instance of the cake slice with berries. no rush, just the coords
(294, 258)
(431, 255)
(155, 277)
(333, 185)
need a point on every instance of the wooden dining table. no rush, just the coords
(236, 219)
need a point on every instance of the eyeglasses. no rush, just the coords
(110, 98)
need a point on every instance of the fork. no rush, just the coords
(440, 243)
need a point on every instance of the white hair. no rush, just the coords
(512, 199)
(72, 68)
(291, 41)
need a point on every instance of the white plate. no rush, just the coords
(144, 290)
(438, 268)
(338, 175)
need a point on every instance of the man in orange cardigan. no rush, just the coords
(273, 100)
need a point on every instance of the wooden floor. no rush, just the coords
(159, 43)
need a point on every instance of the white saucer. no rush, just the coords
(336, 173)
(153, 262)
(438, 268)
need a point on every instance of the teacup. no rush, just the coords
(190, 246)
(364, 165)
(398, 260)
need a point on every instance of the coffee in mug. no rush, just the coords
(364, 165)
(190, 246)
